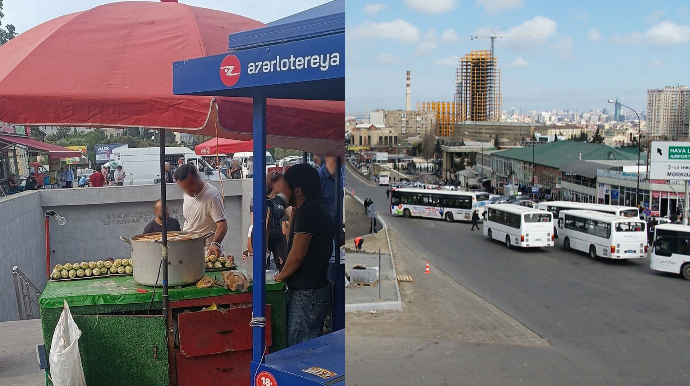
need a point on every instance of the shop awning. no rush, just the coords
(54, 151)
(223, 146)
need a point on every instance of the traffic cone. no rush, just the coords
(427, 268)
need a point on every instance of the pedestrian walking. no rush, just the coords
(475, 220)
(366, 205)
(388, 193)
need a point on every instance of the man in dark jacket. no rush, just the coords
(31, 183)
(475, 220)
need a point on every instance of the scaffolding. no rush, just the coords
(478, 88)
(446, 114)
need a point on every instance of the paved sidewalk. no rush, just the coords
(18, 363)
(435, 307)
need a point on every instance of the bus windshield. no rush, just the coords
(629, 213)
(537, 217)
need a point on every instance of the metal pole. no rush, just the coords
(639, 152)
(164, 236)
(379, 273)
(259, 243)
(533, 182)
(685, 204)
(339, 285)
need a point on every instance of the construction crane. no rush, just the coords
(493, 37)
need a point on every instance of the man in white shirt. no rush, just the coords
(202, 207)
(119, 176)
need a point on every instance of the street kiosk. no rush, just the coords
(298, 57)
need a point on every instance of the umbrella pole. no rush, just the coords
(164, 225)
(259, 242)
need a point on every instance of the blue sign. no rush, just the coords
(104, 152)
(273, 71)
(615, 193)
(647, 212)
(645, 204)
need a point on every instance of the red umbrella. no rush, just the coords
(223, 146)
(111, 66)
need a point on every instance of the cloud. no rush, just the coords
(594, 35)
(424, 49)
(579, 15)
(537, 31)
(666, 32)
(492, 6)
(656, 63)
(564, 49)
(518, 62)
(449, 36)
(449, 61)
(431, 6)
(386, 59)
(655, 16)
(399, 30)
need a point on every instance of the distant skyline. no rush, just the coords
(586, 52)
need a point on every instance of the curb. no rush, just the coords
(395, 305)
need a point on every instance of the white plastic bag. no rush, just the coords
(65, 361)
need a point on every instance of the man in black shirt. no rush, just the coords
(157, 224)
(31, 183)
(310, 247)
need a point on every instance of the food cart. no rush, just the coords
(299, 57)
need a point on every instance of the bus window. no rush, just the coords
(629, 227)
(435, 200)
(465, 202)
(395, 200)
(450, 202)
(482, 196)
(629, 213)
(537, 217)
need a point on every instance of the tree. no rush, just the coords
(597, 138)
(438, 149)
(7, 32)
(497, 143)
(555, 137)
(38, 134)
(428, 145)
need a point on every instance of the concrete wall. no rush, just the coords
(96, 218)
(22, 243)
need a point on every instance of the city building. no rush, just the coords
(478, 88)
(668, 112)
(542, 163)
(405, 123)
(373, 136)
(508, 133)
(446, 116)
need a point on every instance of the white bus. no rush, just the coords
(555, 207)
(384, 178)
(671, 249)
(603, 234)
(518, 226)
(441, 204)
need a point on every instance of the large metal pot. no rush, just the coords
(186, 252)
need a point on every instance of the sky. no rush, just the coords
(576, 56)
(25, 14)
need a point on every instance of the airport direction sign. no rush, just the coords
(669, 161)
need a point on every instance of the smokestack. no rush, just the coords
(408, 91)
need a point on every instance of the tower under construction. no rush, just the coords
(478, 88)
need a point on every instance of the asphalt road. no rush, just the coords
(607, 322)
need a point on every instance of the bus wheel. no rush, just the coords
(593, 252)
(407, 213)
(508, 244)
(685, 270)
(490, 234)
(449, 217)
(566, 244)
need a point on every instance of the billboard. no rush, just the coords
(77, 160)
(104, 152)
(669, 161)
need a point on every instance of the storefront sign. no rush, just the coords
(104, 152)
(15, 129)
(669, 161)
(288, 63)
(77, 160)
